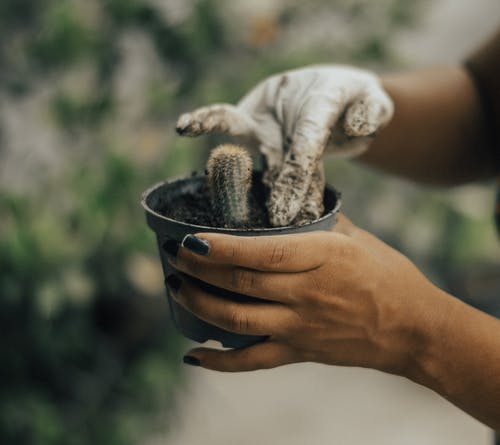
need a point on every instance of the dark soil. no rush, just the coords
(195, 208)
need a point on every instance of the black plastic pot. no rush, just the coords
(159, 196)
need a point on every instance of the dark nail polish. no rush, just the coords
(195, 244)
(173, 283)
(171, 246)
(190, 360)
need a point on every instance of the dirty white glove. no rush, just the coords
(291, 118)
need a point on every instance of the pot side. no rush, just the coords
(158, 197)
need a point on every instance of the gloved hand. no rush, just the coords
(291, 118)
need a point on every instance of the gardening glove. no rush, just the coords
(291, 118)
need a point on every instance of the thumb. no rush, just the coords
(216, 118)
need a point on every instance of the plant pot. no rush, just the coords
(159, 196)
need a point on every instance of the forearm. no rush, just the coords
(437, 134)
(461, 359)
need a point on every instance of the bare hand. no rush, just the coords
(342, 297)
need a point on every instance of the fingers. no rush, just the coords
(278, 253)
(269, 176)
(217, 118)
(288, 192)
(308, 141)
(367, 114)
(313, 206)
(241, 318)
(265, 355)
(348, 147)
(264, 285)
(273, 155)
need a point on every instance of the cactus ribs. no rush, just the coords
(230, 197)
(229, 170)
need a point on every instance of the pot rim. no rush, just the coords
(201, 228)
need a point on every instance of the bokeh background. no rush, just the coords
(89, 93)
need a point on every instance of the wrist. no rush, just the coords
(429, 366)
(414, 339)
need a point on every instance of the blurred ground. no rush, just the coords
(314, 404)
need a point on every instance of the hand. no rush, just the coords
(342, 297)
(290, 118)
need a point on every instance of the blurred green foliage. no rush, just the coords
(88, 354)
(85, 357)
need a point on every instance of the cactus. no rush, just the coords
(229, 170)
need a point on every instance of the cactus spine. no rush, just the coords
(229, 170)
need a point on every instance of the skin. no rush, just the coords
(437, 134)
(346, 298)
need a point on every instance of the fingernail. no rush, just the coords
(190, 360)
(171, 247)
(195, 244)
(173, 283)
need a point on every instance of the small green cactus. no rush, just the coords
(229, 170)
